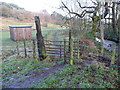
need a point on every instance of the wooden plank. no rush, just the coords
(67, 55)
(54, 41)
(54, 47)
(54, 50)
(52, 53)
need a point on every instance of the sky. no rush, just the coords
(36, 5)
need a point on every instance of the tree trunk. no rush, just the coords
(114, 18)
(119, 39)
(70, 32)
(94, 29)
(102, 39)
(94, 25)
(40, 40)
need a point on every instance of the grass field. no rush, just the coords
(6, 41)
(6, 22)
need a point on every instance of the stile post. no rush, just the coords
(25, 48)
(34, 49)
(40, 40)
(71, 51)
(18, 51)
(65, 51)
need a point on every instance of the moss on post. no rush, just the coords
(114, 54)
(94, 26)
(78, 50)
(71, 51)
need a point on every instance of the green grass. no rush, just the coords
(80, 77)
(16, 68)
(6, 41)
(54, 26)
(68, 76)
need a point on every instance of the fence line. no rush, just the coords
(56, 48)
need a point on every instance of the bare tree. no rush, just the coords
(88, 10)
(96, 15)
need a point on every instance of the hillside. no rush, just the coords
(12, 10)
(12, 14)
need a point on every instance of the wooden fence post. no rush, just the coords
(34, 49)
(40, 40)
(113, 54)
(60, 50)
(65, 51)
(18, 51)
(25, 48)
(71, 51)
(78, 50)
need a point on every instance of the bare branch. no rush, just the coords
(94, 2)
(75, 13)
(84, 6)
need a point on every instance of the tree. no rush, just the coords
(58, 18)
(94, 10)
(119, 39)
(88, 10)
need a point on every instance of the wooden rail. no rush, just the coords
(58, 48)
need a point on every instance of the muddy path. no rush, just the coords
(35, 78)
